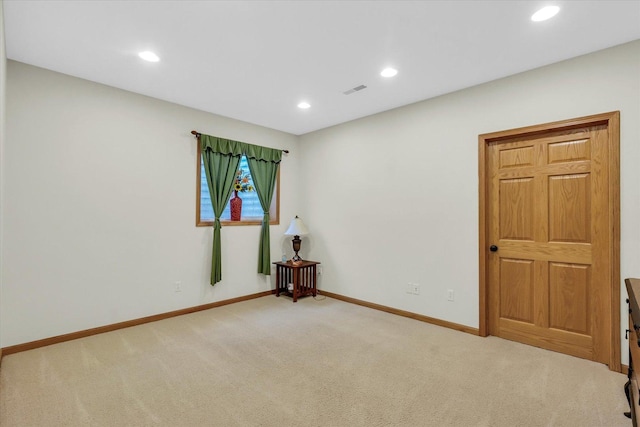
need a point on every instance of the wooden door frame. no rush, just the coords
(612, 121)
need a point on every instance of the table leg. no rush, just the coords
(314, 277)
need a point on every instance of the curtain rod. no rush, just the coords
(197, 135)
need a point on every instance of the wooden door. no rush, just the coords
(550, 230)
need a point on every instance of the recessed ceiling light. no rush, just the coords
(545, 13)
(149, 56)
(389, 72)
(304, 105)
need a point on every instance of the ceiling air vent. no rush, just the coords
(355, 89)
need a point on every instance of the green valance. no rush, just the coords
(221, 145)
(265, 154)
(238, 148)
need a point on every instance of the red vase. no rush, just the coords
(236, 207)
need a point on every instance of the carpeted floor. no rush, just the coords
(269, 362)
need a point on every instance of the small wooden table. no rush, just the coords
(302, 275)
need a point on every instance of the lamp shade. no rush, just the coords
(296, 228)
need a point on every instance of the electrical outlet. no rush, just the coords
(413, 288)
(177, 287)
(450, 295)
(319, 271)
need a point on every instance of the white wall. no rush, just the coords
(3, 82)
(99, 210)
(393, 198)
(99, 196)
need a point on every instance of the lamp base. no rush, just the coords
(296, 247)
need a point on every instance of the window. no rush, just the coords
(251, 209)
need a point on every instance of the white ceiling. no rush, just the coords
(255, 60)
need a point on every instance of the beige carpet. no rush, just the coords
(269, 362)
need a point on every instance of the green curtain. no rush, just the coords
(263, 165)
(221, 159)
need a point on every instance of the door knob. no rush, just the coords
(493, 248)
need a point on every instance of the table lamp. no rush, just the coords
(296, 229)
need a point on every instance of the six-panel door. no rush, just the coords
(549, 280)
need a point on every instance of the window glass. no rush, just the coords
(251, 208)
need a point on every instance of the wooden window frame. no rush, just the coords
(275, 219)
